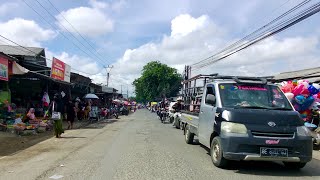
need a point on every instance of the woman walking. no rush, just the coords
(57, 113)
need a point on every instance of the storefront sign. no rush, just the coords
(67, 72)
(4, 69)
(60, 70)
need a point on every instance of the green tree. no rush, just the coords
(157, 80)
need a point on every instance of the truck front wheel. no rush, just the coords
(177, 123)
(216, 152)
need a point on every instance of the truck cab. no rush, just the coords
(244, 118)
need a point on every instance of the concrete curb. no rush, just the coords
(316, 154)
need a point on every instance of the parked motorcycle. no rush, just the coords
(115, 113)
(124, 111)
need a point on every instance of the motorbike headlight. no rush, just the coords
(303, 131)
(234, 129)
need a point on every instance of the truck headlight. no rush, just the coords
(234, 129)
(303, 131)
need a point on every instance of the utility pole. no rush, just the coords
(127, 92)
(121, 88)
(108, 68)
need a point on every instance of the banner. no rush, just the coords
(67, 72)
(4, 69)
(60, 70)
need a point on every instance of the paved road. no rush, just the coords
(134, 147)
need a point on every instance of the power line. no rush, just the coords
(26, 49)
(69, 32)
(87, 41)
(266, 33)
(55, 27)
(278, 28)
(255, 32)
(274, 10)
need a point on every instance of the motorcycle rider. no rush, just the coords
(177, 107)
(163, 106)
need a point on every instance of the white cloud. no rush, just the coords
(7, 8)
(82, 65)
(89, 21)
(117, 6)
(185, 24)
(98, 4)
(25, 32)
(193, 39)
(271, 56)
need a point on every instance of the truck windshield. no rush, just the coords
(253, 96)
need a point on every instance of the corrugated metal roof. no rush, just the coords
(17, 50)
(301, 74)
(108, 89)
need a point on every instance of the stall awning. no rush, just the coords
(17, 69)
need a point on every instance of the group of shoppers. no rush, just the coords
(60, 110)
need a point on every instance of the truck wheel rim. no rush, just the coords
(215, 152)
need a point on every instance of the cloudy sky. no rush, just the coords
(91, 34)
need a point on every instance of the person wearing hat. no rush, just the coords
(177, 107)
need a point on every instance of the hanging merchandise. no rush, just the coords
(45, 99)
(63, 94)
(304, 96)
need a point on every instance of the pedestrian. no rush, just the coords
(71, 114)
(57, 113)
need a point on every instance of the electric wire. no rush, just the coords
(87, 41)
(280, 27)
(35, 54)
(55, 27)
(71, 33)
(251, 35)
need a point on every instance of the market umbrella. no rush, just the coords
(117, 101)
(91, 96)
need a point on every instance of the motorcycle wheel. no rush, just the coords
(171, 119)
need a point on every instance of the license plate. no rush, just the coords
(273, 152)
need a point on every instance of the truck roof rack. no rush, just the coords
(242, 79)
(237, 79)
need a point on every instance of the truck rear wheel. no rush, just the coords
(216, 152)
(188, 135)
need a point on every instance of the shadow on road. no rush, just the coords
(100, 124)
(11, 145)
(71, 137)
(262, 168)
(273, 169)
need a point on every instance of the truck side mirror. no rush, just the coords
(211, 99)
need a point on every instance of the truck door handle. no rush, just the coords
(201, 112)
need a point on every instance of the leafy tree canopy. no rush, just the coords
(157, 80)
